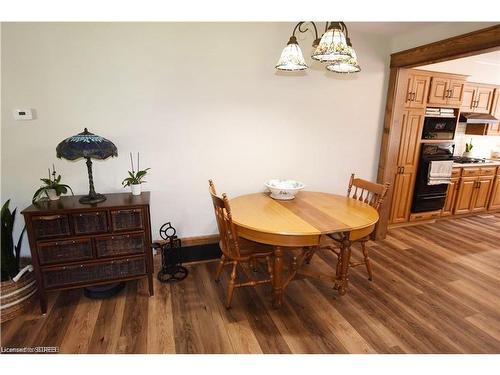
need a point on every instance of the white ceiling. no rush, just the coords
(484, 68)
(388, 29)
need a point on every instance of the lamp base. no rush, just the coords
(92, 199)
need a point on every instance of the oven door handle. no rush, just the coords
(433, 197)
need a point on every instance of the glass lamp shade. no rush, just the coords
(349, 65)
(291, 58)
(332, 47)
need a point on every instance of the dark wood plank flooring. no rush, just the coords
(436, 289)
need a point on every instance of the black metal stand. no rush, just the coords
(172, 269)
(92, 197)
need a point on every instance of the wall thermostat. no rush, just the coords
(23, 114)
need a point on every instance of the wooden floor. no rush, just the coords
(436, 289)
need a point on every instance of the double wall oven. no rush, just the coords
(429, 197)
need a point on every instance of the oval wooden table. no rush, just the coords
(299, 223)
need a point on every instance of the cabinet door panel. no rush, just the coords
(484, 99)
(119, 245)
(437, 93)
(420, 91)
(90, 222)
(409, 91)
(450, 197)
(482, 193)
(401, 199)
(467, 99)
(464, 196)
(494, 203)
(46, 226)
(410, 139)
(129, 219)
(493, 129)
(456, 88)
(64, 251)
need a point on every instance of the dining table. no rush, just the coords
(299, 224)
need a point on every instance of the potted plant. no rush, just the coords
(18, 286)
(468, 149)
(135, 179)
(53, 188)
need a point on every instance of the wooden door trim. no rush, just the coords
(476, 42)
(473, 43)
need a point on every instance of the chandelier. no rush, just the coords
(334, 49)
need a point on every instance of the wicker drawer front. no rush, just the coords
(119, 245)
(50, 226)
(127, 219)
(64, 251)
(94, 272)
(90, 222)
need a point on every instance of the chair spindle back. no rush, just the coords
(227, 231)
(367, 191)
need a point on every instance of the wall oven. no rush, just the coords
(442, 128)
(428, 197)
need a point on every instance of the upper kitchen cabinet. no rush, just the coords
(416, 90)
(446, 90)
(477, 98)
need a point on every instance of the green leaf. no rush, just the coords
(37, 194)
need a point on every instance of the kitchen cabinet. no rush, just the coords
(451, 195)
(416, 90)
(477, 98)
(464, 196)
(404, 180)
(494, 203)
(495, 111)
(446, 91)
(484, 185)
(474, 190)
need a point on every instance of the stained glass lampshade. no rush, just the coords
(89, 146)
(333, 46)
(291, 58)
(349, 65)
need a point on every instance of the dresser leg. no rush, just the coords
(278, 277)
(150, 283)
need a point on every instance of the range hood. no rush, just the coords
(478, 118)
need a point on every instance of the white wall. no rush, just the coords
(198, 101)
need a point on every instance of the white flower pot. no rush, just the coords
(136, 189)
(467, 154)
(52, 194)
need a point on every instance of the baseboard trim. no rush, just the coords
(199, 248)
(200, 240)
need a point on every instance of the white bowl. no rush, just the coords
(284, 190)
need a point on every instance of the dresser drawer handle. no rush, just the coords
(51, 217)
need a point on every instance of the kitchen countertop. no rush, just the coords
(466, 165)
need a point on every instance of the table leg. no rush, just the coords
(343, 264)
(277, 277)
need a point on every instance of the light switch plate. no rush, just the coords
(23, 114)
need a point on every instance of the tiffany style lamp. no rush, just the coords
(89, 146)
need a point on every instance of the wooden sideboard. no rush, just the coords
(75, 245)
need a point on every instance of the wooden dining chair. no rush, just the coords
(372, 194)
(236, 251)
